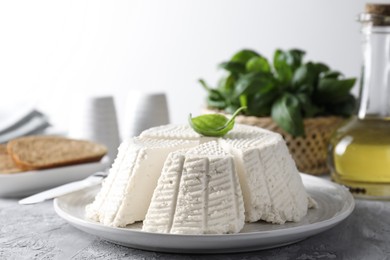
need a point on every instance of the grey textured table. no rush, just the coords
(36, 232)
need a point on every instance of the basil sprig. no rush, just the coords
(288, 89)
(213, 124)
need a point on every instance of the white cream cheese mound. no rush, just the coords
(197, 193)
(197, 175)
(126, 193)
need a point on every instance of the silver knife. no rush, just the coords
(90, 181)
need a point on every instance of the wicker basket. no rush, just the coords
(309, 153)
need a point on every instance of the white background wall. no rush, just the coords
(51, 51)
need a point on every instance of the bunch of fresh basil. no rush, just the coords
(287, 90)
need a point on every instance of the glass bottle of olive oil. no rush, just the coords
(359, 154)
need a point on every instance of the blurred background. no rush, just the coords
(54, 51)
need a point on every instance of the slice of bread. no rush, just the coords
(7, 165)
(40, 152)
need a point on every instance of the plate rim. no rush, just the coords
(309, 229)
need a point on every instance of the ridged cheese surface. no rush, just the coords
(272, 188)
(126, 193)
(198, 193)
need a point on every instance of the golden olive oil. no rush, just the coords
(360, 156)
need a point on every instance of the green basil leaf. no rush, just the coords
(306, 88)
(320, 67)
(304, 78)
(286, 112)
(233, 67)
(330, 74)
(244, 56)
(226, 84)
(294, 58)
(333, 90)
(215, 98)
(213, 124)
(258, 64)
(308, 108)
(283, 70)
(259, 104)
(204, 85)
(253, 83)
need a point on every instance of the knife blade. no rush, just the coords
(90, 181)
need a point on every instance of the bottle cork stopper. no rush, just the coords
(380, 14)
(378, 9)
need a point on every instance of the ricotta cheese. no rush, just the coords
(180, 182)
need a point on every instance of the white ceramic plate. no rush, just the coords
(27, 183)
(335, 203)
